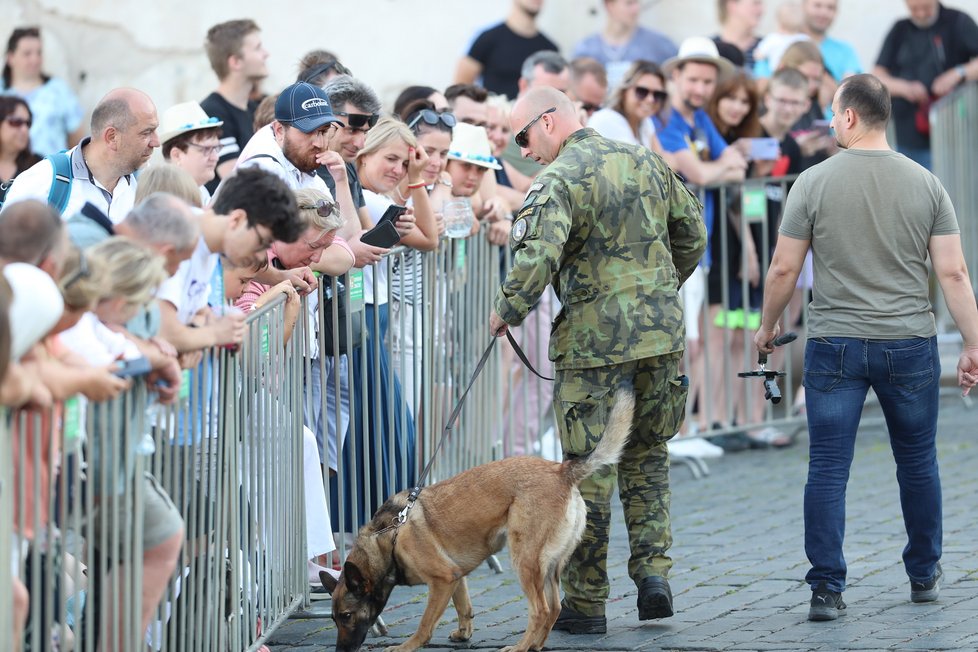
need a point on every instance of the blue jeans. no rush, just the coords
(906, 377)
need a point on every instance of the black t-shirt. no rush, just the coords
(352, 179)
(736, 56)
(237, 129)
(501, 51)
(910, 52)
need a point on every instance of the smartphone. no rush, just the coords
(132, 368)
(383, 235)
(822, 127)
(764, 149)
(393, 212)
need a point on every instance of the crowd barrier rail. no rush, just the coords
(373, 370)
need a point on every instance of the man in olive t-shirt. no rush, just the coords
(872, 217)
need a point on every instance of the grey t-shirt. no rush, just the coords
(870, 216)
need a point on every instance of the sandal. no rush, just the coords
(769, 437)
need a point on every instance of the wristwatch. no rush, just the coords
(961, 71)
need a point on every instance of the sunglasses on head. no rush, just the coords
(359, 120)
(324, 68)
(432, 118)
(641, 92)
(19, 122)
(323, 208)
(521, 137)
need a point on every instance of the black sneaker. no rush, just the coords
(826, 605)
(574, 622)
(929, 590)
(654, 598)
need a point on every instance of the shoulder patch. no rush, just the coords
(536, 187)
(519, 229)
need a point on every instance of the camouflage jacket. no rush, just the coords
(616, 233)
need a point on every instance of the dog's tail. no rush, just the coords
(609, 449)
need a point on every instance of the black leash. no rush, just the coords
(453, 417)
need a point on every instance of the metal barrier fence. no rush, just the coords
(954, 144)
(83, 517)
(373, 374)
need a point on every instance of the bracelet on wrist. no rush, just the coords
(962, 71)
(417, 184)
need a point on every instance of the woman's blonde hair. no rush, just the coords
(170, 178)
(131, 270)
(800, 53)
(307, 198)
(82, 278)
(386, 131)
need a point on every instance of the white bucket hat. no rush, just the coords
(184, 117)
(470, 144)
(698, 49)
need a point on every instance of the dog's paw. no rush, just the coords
(460, 635)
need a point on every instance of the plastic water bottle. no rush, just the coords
(458, 217)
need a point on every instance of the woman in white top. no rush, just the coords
(628, 116)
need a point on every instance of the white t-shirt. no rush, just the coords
(35, 183)
(611, 124)
(376, 205)
(189, 288)
(97, 343)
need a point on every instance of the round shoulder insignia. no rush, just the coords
(519, 229)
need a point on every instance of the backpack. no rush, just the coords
(60, 182)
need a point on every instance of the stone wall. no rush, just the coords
(97, 45)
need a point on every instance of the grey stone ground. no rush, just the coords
(739, 565)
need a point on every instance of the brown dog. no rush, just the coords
(457, 523)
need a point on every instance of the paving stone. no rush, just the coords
(738, 579)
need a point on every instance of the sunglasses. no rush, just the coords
(324, 68)
(359, 120)
(432, 118)
(78, 274)
(521, 138)
(17, 123)
(641, 92)
(323, 208)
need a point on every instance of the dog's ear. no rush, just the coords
(356, 583)
(329, 582)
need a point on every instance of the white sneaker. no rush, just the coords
(693, 447)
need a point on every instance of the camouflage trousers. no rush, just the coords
(582, 402)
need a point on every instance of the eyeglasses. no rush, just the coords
(207, 150)
(476, 123)
(641, 92)
(201, 123)
(323, 208)
(432, 118)
(791, 104)
(590, 108)
(359, 120)
(521, 138)
(17, 123)
(78, 274)
(262, 242)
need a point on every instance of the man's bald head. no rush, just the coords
(119, 107)
(551, 129)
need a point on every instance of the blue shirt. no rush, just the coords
(645, 44)
(840, 60)
(706, 143)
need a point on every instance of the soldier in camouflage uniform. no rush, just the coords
(616, 233)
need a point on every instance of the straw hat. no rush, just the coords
(470, 144)
(184, 117)
(698, 49)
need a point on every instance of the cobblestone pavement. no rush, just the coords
(740, 564)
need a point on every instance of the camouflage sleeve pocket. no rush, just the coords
(667, 420)
(582, 412)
